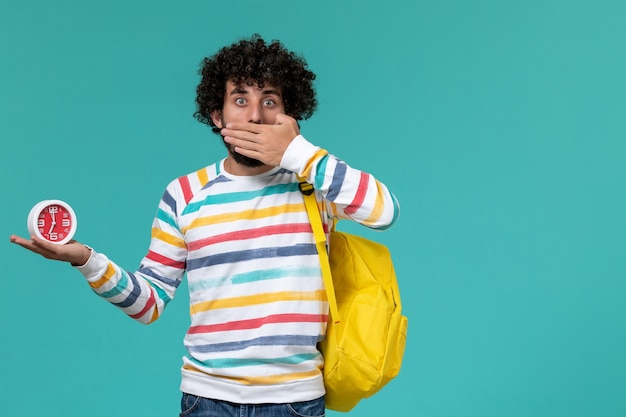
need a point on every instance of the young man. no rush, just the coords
(240, 231)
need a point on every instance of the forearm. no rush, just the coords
(131, 292)
(143, 294)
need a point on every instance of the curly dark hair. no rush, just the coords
(255, 61)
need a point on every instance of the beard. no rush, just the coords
(242, 159)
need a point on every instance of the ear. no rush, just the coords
(216, 116)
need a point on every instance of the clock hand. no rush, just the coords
(52, 214)
(52, 227)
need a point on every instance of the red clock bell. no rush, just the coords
(53, 221)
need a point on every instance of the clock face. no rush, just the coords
(52, 220)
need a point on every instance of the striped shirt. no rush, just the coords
(257, 301)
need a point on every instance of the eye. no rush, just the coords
(240, 101)
(268, 102)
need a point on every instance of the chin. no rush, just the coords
(241, 159)
(246, 161)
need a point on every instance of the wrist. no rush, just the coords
(83, 258)
(299, 154)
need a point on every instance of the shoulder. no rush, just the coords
(180, 191)
(189, 184)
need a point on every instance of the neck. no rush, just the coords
(233, 167)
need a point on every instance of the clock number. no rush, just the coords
(65, 223)
(41, 223)
(54, 236)
(53, 209)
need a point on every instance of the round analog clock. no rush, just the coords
(53, 221)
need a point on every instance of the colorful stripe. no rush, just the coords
(281, 340)
(108, 274)
(300, 272)
(258, 304)
(251, 254)
(251, 234)
(264, 380)
(186, 188)
(379, 206)
(239, 362)
(203, 177)
(236, 197)
(264, 298)
(360, 195)
(251, 214)
(164, 260)
(314, 160)
(168, 238)
(258, 322)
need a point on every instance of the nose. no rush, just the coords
(256, 113)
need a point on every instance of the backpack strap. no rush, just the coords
(320, 242)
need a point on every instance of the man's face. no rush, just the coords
(248, 103)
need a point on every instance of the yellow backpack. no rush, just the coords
(366, 336)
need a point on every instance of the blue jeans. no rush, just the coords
(193, 406)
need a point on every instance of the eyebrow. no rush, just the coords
(241, 90)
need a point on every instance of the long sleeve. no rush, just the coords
(144, 294)
(350, 193)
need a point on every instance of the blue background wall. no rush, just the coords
(499, 125)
